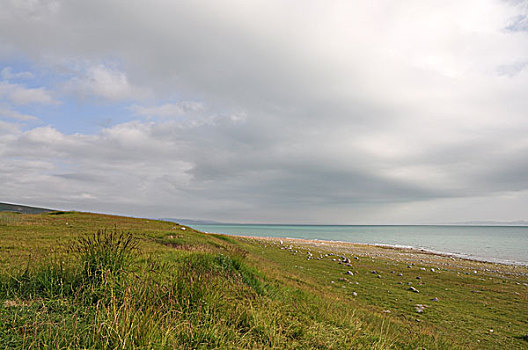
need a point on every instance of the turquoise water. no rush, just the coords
(508, 244)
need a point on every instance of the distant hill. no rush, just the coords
(494, 223)
(191, 221)
(23, 209)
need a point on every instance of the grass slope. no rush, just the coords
(80, 280)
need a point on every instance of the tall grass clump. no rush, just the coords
(103, 258)
(74, 292)
(105, 252)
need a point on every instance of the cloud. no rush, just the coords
(519, 24)
(204, 171)
(20, 95)
(511, 70)
(8, 130)
(108, 164)
(329, 112)
(103, 81)
(168, 109)
(7, 74)
(12, 114)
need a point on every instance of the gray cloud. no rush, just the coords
(309, 112)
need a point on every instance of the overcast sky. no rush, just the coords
(267, 111)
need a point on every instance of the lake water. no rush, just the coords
(507, 244)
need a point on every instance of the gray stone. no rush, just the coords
(350, 273)
(420, 308)
(412, 289)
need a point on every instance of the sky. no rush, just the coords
(329, 112)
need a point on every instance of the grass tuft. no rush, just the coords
(105, 252)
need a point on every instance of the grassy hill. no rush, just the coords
(23, 209)
(80, 280)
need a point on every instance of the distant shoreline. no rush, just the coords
(502, 245)
(340, 245)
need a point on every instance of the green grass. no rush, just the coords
(79, 280)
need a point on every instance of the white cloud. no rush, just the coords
(102, 81)
(20, 95)
(44, 135)
(88, 169)
(12, 114)
(168, 109)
